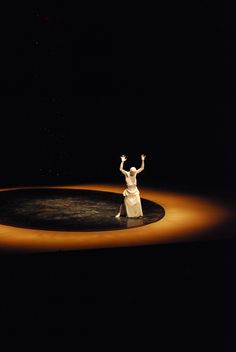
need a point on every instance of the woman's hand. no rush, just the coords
(123, 158)
(143, 156)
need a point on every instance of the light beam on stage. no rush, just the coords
(186, 217)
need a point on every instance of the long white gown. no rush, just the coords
(132, 198)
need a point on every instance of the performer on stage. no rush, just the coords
(132, 207)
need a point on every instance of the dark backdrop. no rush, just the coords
(82, 86)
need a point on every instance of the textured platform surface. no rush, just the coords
(70, 210)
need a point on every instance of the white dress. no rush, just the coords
(132, 198)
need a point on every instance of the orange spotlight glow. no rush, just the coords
(186, 216)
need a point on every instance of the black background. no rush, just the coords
(80, 87)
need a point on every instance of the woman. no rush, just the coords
(132, 206)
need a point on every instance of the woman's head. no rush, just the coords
(132, 171)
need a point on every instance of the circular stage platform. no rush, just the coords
(83, 217)
(70, 210)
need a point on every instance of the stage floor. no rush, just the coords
(83, 217)
(75, 210)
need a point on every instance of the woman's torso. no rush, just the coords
(131, 182)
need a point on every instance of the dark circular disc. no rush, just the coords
(60, 209)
